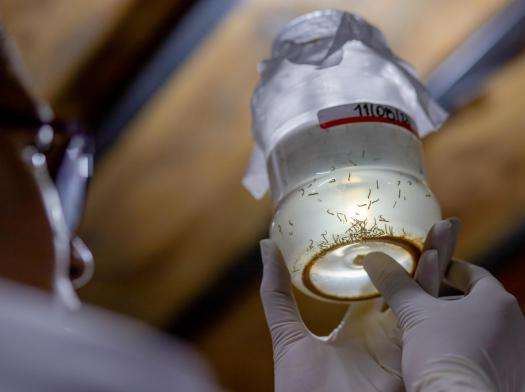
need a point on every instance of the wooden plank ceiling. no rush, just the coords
(55, 37)
(166, 212)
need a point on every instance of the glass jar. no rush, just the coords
(345, 186)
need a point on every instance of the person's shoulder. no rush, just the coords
(44, 346)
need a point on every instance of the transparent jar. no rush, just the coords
(338, 119)
(344, 188)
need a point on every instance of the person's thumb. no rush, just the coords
(399, 290)
(279, 304)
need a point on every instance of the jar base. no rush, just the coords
(338, 273)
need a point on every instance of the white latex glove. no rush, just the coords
(362, 354)
(475, 343)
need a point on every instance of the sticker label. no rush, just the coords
(364, 112)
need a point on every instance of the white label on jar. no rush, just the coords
(364, 112)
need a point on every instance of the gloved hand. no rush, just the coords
(363, 353)
(475, 343)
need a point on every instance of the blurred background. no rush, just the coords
(164, 87)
